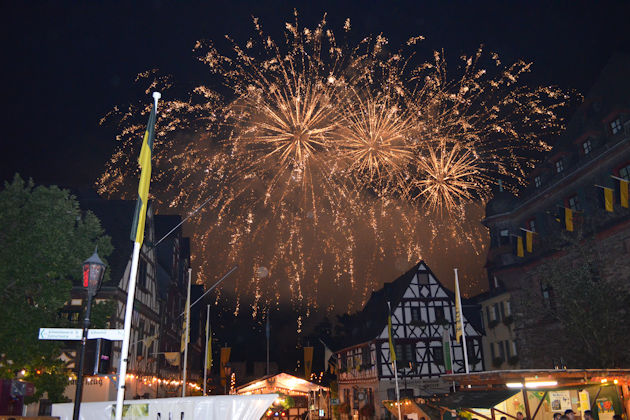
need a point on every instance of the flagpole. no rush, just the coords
(395, 365)
(267, 332)
(205, 363)
(187, 333)
(461, 320)
(131, 292)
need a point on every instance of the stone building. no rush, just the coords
(593, 154)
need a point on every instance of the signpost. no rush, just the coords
(76, 334)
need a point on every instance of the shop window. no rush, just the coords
(559, 166)
(587, 147)
(538, 181)
(615, 126)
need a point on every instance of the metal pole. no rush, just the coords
(461, 318)
(205, 362)
(187, 332)
(124, 352)
(79, 390)
(97, 357)
(267, 332)
(397, 390)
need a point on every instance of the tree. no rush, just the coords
(45, 238)
(592, 309)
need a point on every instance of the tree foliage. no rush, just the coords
(593, 309)
(45, 238)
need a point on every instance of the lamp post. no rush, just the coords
(227, 369)
(93, 270)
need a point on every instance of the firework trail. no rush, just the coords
(334, 167)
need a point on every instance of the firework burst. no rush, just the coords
(333, 168)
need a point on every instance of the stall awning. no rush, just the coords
(475, 399)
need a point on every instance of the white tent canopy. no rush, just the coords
(219, 407)
(282, 382)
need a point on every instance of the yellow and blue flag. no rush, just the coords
(144, 160)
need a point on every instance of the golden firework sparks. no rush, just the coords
(328, 164)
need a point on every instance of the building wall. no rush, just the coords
(595, 146)
(499, 341)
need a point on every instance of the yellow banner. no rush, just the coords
(568, 219)
(608, 199)
(519, 246)
(529, 241)
(623, 193)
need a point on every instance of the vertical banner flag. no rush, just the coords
(519, 246)
(446, 349)
(308, 362)
(184, 340)
(392, 350)
(529, 240)
(458, 312)
(225, 357)
(607, 199)
(568, 219)
(623, 192)
(139, 217)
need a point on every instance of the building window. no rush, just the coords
(415, 314)
(615, 126)
(504, 237)
(423, 279)
(493, 354)
(366, 360)
(497, 313)
(625, 172)
(531, 225)
(573, 203)
(587, 146)
(440, 318)
(438, 355)
(405, 352)
(547, 295)
(514, 352)
(142, 274)
(538, 181)
(559, 166)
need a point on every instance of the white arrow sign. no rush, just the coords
(77, 334)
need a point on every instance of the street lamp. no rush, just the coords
(227, 370)
(93, 270)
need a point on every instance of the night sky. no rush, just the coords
(66, 64)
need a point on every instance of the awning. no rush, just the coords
(475, 399)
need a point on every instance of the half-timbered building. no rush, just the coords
(423, 315)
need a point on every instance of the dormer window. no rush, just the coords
(615, 126)
(559, 166)
(538, 181)
(587, 147)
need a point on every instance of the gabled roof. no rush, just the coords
(368, 323)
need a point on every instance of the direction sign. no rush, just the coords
(60, 333)
(107, 334)
(77, 334)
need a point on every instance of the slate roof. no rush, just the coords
(368, 323)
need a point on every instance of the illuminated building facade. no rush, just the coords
(423, 311)
(593, 154)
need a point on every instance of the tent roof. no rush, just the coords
(475, 399)
(281, 381)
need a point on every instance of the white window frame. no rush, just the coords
(538, 181)
(615, 125)
(587, 147)
(559, 166)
